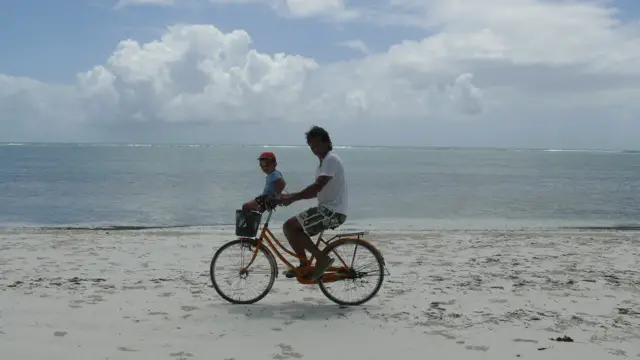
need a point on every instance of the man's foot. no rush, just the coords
(320, 268)
(291, 273)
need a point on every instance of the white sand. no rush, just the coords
(462, 294)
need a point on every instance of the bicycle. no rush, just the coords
(247, 225)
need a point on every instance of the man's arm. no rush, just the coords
(312, 190)
(327, 171)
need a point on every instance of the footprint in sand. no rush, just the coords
(107, 289)
(477, 348)
(181, 355)
(134, 287)
(526, 341)
(314, 300)
(286, 352)
(94, 299)
(122, 348)
(617, 352)
(158, 313)
(442, 333)
(134, 319)
(498, 301)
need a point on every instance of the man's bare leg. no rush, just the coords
(292, 230)
(300, 241)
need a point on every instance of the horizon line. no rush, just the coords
(444, 147)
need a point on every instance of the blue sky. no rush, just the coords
(53, 44)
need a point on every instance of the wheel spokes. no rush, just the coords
(362, 265)
(244, 283)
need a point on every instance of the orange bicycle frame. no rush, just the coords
(266, 236)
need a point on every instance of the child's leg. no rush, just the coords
(251, 205)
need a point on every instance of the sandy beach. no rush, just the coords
(113, 294)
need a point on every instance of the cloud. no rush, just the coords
(357, 45)
(304, 8)
(494, 62)
(197, 73)
(327, 9)
(124, 3)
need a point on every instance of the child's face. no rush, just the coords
(267, 165)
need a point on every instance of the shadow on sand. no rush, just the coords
(296, 310)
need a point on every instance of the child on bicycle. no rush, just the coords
(274, 183)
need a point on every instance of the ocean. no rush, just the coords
(96, 185)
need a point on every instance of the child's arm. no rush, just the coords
(275, 178)
(280, 185)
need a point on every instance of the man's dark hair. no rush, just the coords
(322, 134)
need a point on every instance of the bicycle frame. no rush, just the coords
(266, 236)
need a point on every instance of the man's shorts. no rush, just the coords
(319, 218)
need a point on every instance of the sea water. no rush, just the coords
(153, 185)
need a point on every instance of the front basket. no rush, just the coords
(247, 223)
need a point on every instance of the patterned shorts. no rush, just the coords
(319, 218)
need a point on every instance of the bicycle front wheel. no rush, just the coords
(360, 269)
(238, 280)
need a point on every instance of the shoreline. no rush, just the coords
(277, 225)
(369, 224)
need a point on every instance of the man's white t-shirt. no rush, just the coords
(334, 194)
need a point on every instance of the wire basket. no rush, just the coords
(247, 223)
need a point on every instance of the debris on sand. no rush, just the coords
(563, 339)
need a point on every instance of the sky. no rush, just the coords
(493, 73)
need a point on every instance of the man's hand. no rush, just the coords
(285, 200)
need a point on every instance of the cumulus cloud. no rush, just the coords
(197, 73)
(466, 97)
(496, 59)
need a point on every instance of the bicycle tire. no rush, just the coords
(265, 252)
(381, 271)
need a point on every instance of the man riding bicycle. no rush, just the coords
(330, 188)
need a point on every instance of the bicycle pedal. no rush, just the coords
(289, 274)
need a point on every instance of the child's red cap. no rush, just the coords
(267, 155)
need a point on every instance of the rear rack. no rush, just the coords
(358, 234)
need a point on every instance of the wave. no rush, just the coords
(585, 151)
(14, 144)
(107, 227)
(304, 146)
(282, 146)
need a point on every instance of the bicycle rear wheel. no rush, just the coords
(228, 268)
(356, 260)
